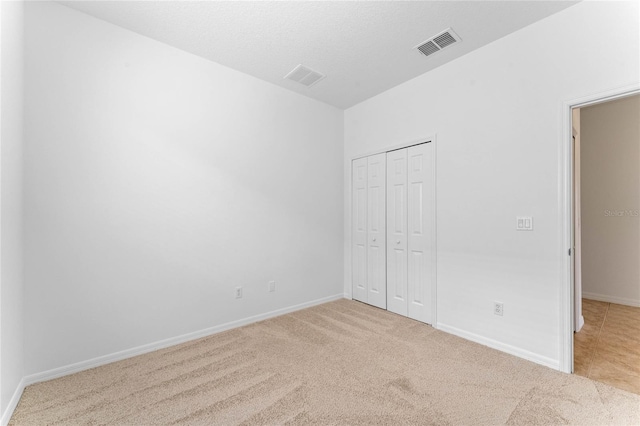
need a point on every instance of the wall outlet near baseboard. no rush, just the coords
(238, 292)
(272, 286)
(498, 308)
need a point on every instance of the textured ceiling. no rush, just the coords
(363, 47)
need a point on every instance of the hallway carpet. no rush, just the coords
(338, 363)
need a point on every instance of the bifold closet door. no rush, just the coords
(369, 230)
(421, 231)
(411, 231)
(393, 222)
(359, 226)
(397, 231)
(376, 231)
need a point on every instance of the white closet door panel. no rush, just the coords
(359, 229)
(397, 231)
(376, 230)
(420, 232)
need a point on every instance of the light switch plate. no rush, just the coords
(524, 223)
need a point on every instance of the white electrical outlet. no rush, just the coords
(272, 286)
(238, 292)
(498, 308)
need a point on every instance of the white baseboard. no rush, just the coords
(503, 347)
(139, 350)
(611, 299)
(13, 403)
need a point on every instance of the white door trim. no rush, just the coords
(578, 319)
(565, 217)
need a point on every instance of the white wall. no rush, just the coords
(155, 183)
(11, 147)
(497, 113)
(611, 201)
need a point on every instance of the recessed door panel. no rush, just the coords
(376, 231)
(416, 203)
(416, 269)
(399, 205)
(397, 231)
(361, 264)
(360, 210)
(400, 274)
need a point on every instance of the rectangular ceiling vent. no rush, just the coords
(304, 75)
(438, 42)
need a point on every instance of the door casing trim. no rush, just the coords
(565, 216)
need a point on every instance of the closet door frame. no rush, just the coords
(434, 288)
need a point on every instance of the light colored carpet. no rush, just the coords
(338, 363)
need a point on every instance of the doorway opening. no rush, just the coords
(603, 224)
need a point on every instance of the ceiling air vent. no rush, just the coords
(304, 75)
(438, 42)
